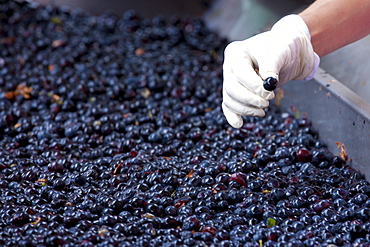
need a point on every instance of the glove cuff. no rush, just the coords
(314, 68)
(291, 22)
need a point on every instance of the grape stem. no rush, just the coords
(258, 73)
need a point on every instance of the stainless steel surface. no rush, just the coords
(351, 65)
(339, 115)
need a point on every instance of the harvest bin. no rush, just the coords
(113, 134)
(339, 114)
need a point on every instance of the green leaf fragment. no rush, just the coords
(271, 222)
(297, 114)
(56, 20)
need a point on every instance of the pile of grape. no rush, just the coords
(111, 134)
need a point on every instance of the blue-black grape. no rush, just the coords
(270, 83)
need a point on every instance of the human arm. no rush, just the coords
(336, 23)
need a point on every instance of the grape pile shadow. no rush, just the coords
(112, 135)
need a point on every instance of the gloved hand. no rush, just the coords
(284, 53)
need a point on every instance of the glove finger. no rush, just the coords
(233, 119)
(241, 109)
(245, 73)
(240, 93)
(279, 58)
(270, 68)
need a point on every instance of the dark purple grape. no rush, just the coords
(20, 219)
(321, 205)
(304, 155)
(191, 223)
(270, 83)
(239, 178)
(59, 184)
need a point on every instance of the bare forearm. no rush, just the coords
(336, 23)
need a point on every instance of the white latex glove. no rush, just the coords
(284, 53)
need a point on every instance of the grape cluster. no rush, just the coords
(111, 134)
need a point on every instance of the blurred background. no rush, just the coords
(146, 8)
(234, 19)
(240, 19)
